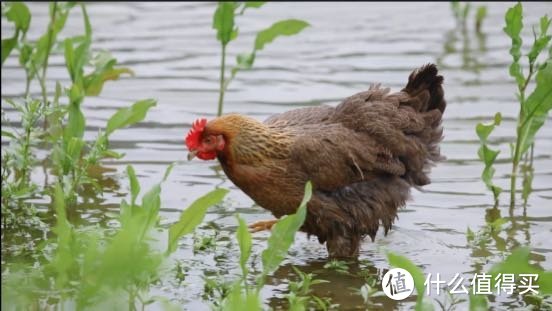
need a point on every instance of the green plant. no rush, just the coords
(535, 107)
(488, 155)
(418, 276)
(64, 126)
(300, 295)
(461, 11)
(486, 233)
(337, 265)
(519, 262)
(224, 24)
(93, 267)
(244, 296)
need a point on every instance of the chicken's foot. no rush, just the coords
(262, 225)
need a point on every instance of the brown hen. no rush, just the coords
(362, 157)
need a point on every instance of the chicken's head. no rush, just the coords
(201, 143)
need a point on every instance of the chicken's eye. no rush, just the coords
(208, 140)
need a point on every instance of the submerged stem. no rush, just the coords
(222, 86)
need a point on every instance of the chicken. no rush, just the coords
(362, 158)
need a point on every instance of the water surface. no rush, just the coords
(172, 49)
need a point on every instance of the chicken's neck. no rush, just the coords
(257, 145)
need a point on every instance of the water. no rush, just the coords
(172, 50)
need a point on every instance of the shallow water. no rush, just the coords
(172, 49)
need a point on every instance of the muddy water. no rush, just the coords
(171, 48)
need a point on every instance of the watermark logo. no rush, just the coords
(397, 284)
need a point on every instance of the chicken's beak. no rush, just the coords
(192, 154)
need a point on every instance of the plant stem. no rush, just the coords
(513, 186)
(222, 86)
(48, 50)
(522, 119)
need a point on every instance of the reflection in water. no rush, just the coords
(470, 55)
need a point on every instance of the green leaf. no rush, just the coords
(7, 47)
(478, 302)
(488, 155)
(63, 261)
(417, 274)
(104, 71)
(87, 25)
(254, 4)
(19, 13)
(513, 28)
(518, 263)
(76, 59)
(483, 130)
(244, 62)
(95, 81)
(8, 134)
(130, 115)
(283, 235)
(74, 148)
(193, 216)
(282, 28)
(76, 122)
(541, 41)
(134, 184)
(151, 203)
(536, 107)
(168, 171)
(238, 300)
(223, 22)
(44, 45)
(244, 240)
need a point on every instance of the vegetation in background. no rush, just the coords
(63, 125)
(461, 12)
(534, 108)
(460, 37)
(224, 23)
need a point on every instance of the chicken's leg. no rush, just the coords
(262, 225)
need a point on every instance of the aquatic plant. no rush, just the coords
(337, 265)
(63, 125)
(534, 108)
(399, 261)
(247, 297)
(488, 155)
(224, 23)
(461, 11)
(105, 267)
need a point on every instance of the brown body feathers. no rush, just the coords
(361, 156)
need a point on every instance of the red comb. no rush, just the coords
(192, 139)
